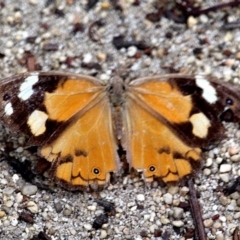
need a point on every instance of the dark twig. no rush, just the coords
(196, 11)
(236, 234)
(196, 212)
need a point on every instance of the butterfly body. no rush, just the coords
(78, 122)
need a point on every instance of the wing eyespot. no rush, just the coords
(6, 97)
(96, 171)
(229, 101)
(152, 168)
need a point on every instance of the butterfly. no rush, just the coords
(79, 122)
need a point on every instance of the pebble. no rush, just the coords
(164, 220)
(87, 58)
(235, 195)
(2, 214)
(14, 222)
(184, 191)
(32, 207)
(208, 223)
(225, 168)
(224, 177)
(177, 212)
(92, 208)
(233, 150)
(8, 191)
(103, 234)
(235, 158)
(140, 197)
(191, 22)
(207, 171)
(220, 236)
(173, 190)
(168, 198)
(67, 212)
(58, 207)
(87, 226)
(177, 223)
(29, 190)
(217, 225)
(131, 52)
(209, 162)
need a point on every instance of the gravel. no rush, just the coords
(65, 36)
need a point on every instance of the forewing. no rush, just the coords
(170, 118)
(69, 117)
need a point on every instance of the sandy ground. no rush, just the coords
(68, 36)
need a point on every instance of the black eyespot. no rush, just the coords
(6, 97)
(229, 101)
(152, 169)
(96, 171)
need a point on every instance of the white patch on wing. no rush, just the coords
(37, 121)
(200, 125)
(8, 109)
(209, 92)
(26, 90)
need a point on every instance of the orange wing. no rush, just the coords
(86, 151)
(155, 143)
(69, 117)
(165, 129)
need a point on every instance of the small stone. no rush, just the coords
(14, 222)
(233, 150)
(235, 195)
(87, 226)
(224, 200)
(177, 223)
(92, 208)
(87, 58)
(102, 57)
(220, 236)
(168, 198)
(209, 162)
(173, 190)
(33, 2)
(8, 191)
(132, 50)
(237, 56)
(191, 22)
(203, 18)
(225, 168)
(15, 178)
(103, 234)
(177, 213)
(207, 171)
(140, 197)
(8, 203)
(235, 158)
(67, 212)
(58, 206)
(208, 223)
(228, 37)
(184, 191)
(217, 225)
(2, 214)
(29, 190)
(152, 228)
(236, 215)
(164, 220)
(105, 5)
(32, 207)
(224, 177)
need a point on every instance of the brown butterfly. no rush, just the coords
(78, 122)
